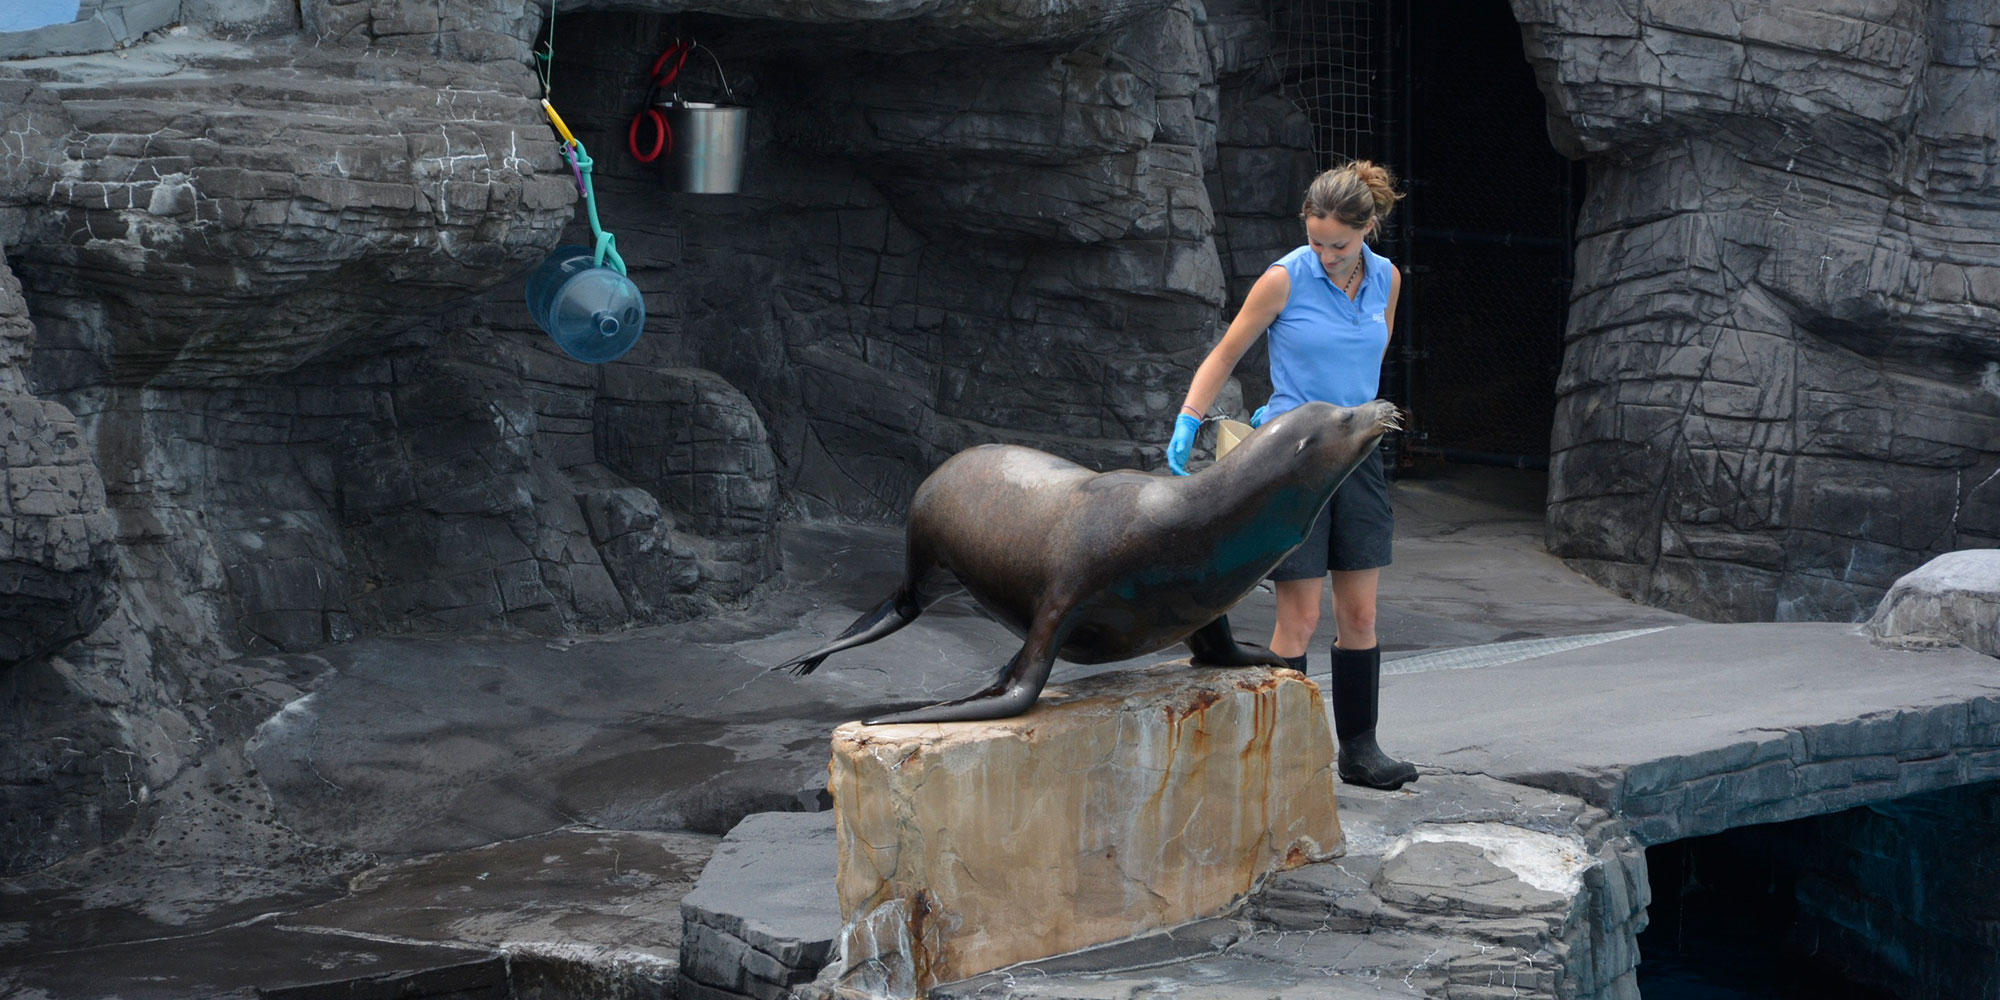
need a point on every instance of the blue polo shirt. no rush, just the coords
(1324, 345)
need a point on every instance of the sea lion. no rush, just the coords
(1094, 567)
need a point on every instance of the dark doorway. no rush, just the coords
(1440, 91)
(1487, 236)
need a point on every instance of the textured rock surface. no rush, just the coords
(1897, 896)
(1470, 888)
(1119, 804)
(247, 416)
(273, 252)
(272, 256)
(55, 532)
(764, 917)
(1780, 390)
(1527, 891)
(950, 246)
(576, 912)
(1688, 731)
(249, 210)
(99, 25)
(1953, 598)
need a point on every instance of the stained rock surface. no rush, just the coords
(1119, 804)
(1471, 887)
(764, 916)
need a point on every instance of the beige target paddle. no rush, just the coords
(1227, 434)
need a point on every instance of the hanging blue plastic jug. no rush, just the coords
(580, 295)
(594, 313)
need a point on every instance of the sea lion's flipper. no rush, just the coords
(1012, 693)
(1214, 645)
(900, 609)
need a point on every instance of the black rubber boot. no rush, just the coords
(1297, 663)
(1357, 681)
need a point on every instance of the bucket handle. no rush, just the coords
(727, 91)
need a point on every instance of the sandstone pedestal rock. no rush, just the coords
(1119, 804)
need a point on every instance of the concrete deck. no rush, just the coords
(637, 750)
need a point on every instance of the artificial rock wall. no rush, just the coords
(269, 384)
(1782, 383)
(940, 242)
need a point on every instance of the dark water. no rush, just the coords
(1724, 925)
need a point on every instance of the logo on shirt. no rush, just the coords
(1377, 317)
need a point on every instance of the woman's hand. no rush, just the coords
(1178, 449)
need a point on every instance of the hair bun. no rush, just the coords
(1381, 184)
(1357, 193)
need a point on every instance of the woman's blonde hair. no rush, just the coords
(1356, 193)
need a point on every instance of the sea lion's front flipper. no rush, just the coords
(1214, 645)
(1012, 693)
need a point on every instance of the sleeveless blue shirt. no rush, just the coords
(1324, 345)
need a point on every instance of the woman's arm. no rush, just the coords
(1395, 291)
(1267, 298)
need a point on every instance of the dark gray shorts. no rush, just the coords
(1353, 532)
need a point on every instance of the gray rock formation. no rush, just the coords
(57, 557)
(1779, 392)
(948, 245)
(280, 389)
(55, 533)
(764, 916)
(272, 253)
(1473, 888)
(1954, 598)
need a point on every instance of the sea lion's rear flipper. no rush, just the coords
(1012, 693)
(1214, 645)
(900, 609)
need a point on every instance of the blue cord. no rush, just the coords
(607, 243)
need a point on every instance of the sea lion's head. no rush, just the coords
(1316, 440)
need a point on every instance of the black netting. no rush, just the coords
(1440, 92)
(1488, 322)
(1327, 49)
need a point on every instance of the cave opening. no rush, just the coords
(1884, 901)
(1488, 238)
(1442, 93)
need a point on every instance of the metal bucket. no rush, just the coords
(708, 147)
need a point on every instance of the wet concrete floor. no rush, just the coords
(549, 800)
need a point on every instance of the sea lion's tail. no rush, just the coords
(898, 610)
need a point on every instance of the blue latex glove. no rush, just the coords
(1257, 418)
(1185, 428)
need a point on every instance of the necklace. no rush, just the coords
(1354, 276)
